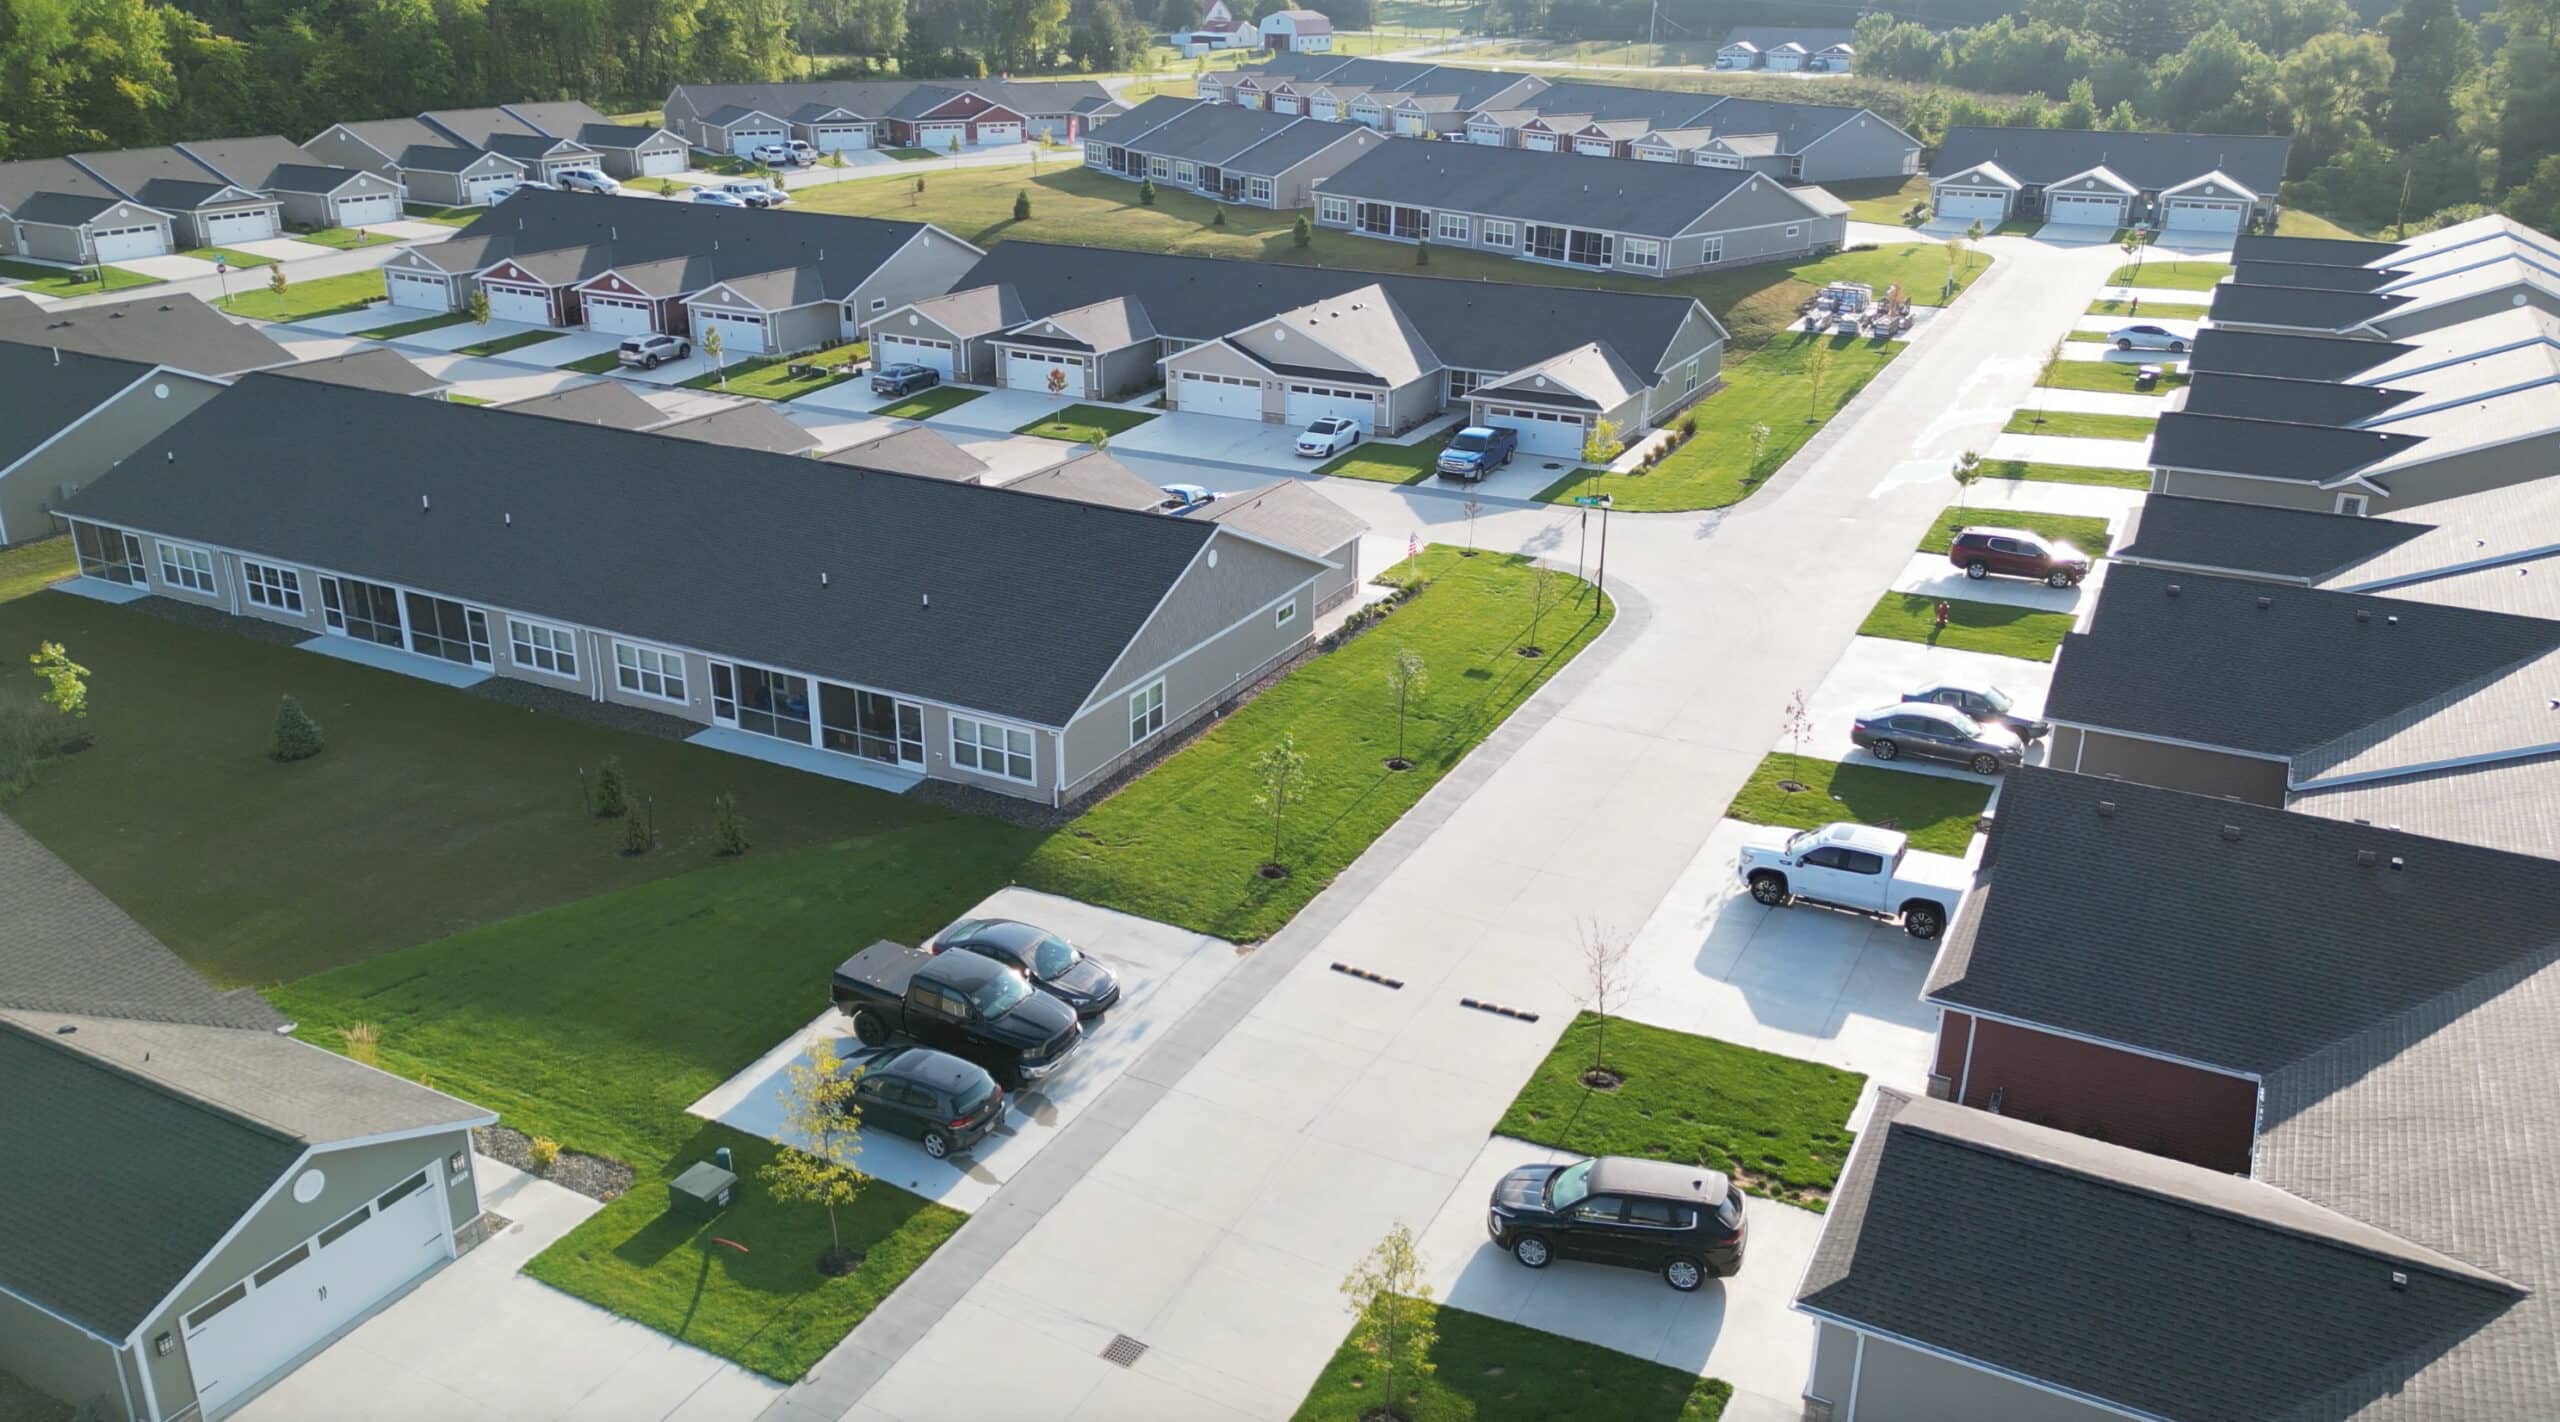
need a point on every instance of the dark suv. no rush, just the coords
(905, 378)
(947, 1103)
(1676, 1220)
(2016, 553)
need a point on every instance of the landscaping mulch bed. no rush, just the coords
(594, 1176)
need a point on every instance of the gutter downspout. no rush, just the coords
(123, 1383)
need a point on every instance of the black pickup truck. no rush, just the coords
(966, 1005)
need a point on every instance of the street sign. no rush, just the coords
(1592, 501)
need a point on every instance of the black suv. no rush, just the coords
(1679, 1221)
(947, 1103)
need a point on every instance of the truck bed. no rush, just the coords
(880, 972)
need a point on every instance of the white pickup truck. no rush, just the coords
(1855, 867)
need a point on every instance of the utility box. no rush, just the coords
(702, 1191)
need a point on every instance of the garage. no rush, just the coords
(908, 350)
(991, 134)
(368, 211)
(2205, 217)
(661, 163)
(1972, 204)
(118, 244)
(1538, 142)
(618, 316)
(479, 190)
(223, 228)
(842, 139)
(1227, 395)
(1308, 403)
(1540, 431)
(2083, 210)
(1031, 370)
(745, 141)
(418, 293)
(244, 1334)
(739, 335)
(939, 136)
(530, 305)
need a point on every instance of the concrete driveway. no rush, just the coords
(171, 267)
(466, 333)
(574, 346)
(2075, 234)
(1878, 671)
(287, 249)
(479, 1342)
(1216, 439)
(998, 412)
(1931, 575)
(2068, 449)
(2183, 326)
(1164, 972)
(2104, 402)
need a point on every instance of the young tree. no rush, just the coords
(275, 279)
(1422, 252)
(476, 306)
(2132, 247)
(1543, 594)
(613, 798)
(1759, 438)
(1796, 724)
(713, 346)
(820, 1139)
(1604, 985)
(1146, 192)
(1393, 1320)
(1278, 773)
(297, 736)
(1022, 205)
(1603, 443)
(1471, 508)
(1218, 215)
(66, 682)
(1817, 378)
(2052, 358)
(640, 829)
(1410, 680)
(728, 827)
(1955, 260)
(1968, 467)
(1302, 233)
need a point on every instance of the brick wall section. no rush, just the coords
(2202, 1117)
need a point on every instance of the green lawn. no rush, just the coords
(2105, 376)
(2034, 472)
(302, 300)
(29, 567)
(2002, 629)
(2078, 425)
(2081, 531)
(2157, 310)
(71, 281)
(1486, 1370)
(1385, 463)
(910, 155)
(453, 399)
(2294, 222)
(1938, 813)
(2170, 273)
(1183, 844)
(1777, 1125)
(446, 216)
(2092, 337)
(1083, 424)
(925, 404)
(236, 260)
(1771, 386)
(500, 345)
(604, 364)
(345, 239)
(770, 377)
(1882, 200)
(765, 1306)
(398, 329)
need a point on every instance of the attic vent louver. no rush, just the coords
(2366, 859)
(2399, 1280)
(2364, 614)
(2230, 834)
(2106, 809)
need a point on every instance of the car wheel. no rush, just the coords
(649, 362)
(2057, 579)
(1977, 571)
(1532, 1250)
(936, 1144)
(684, 349)
(1769, 890)
(1885, 750)
(2176, 347)
(1684, 1274)
(871, 1027)
(1986, 765)
(2124, 345)
(1924, 921)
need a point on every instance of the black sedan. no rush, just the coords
(1682, 1222)
(1985, 703)
(941, 1100)
(905, 378)
(1932, 732)
(1051, 963)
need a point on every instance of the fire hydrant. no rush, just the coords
(1943, 610)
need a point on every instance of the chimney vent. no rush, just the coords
(928, 599)
(2364, 614)
(2399, 1280)
(2398, 863)
(2265, 602)
(2392, 621)
(2230, 834)
(423, 506)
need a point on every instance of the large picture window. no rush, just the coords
(543, 647)
(649, 671)
(183, 565)
(1501, 234)
(442, 628)
(1450, 227)
(1146, 713)
(1640, 252)
(991, 748)
(278, 588)
(1260, 189)
(1333, 209)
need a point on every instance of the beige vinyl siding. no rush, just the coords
(60, 1360)
(1911, 1386)
(928, 266)
(79, 455)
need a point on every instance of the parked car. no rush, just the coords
(1855, 867)
(785, 155)
(1985, 703)
(904, 378)
(500, 192)
(1051, 963)
(754, 192)
(2017, 553)
(1680, 1221)
(1476, 451)
(650, 352)
(586, 180)
(1180, 499)
(1930, 732)
(960, 1003)
(716, 197)
(1330, 435)
(2147, 338)
(946, 1102)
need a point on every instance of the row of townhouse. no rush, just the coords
(1783, 51)
(1228, 154)
(851, 115)
(2201, 188)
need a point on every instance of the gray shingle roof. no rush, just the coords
(2152, 161)
(130, 170)
(604, 402)
(1292, 146)
(43, 393)
(533, 147)
(2301, 402)
(181, 195)
(62, 209)
(2255, 540)
(367, 368)
(614, 135)
(309, 178)
(1292, 514)
(2301, 308)
(389, 136)
(842, 251)
(22, 180)
(2270, 449)
(179, 331)
(736, 541)
(439, 157)
(252, 162)
(477, 128)
(2326, 251)
(1092, 478)
(2307, 274)
(2291, 357)
(918, 449)
(564, 118)
(973, 310)
(756, 425)
(1611, 194)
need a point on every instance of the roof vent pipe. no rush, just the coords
(2172, 589)
(2265, 602)
(822, 580)
(2106, 809)
(423, 506)
(510, 519)
(2230, 834)
(928, 599)
(2398, 863)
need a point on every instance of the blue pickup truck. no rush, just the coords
(1476, 451)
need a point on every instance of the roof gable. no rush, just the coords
(2151, 161)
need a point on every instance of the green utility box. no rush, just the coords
(703, 1190)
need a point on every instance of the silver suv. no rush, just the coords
(649, 352)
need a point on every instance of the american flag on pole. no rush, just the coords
(1413, 545)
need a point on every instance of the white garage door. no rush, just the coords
(2203, 216)
(2080, 210)
(476, 190)
(515, 303)
(420, 292)
(739, 335)
(1968, 204)
(1541, 431)
(240, 1336)
(903, 350)
(1307, 403)
(365, 211)
(745, 141)
(831, 140)
(937, 136)
(617, 317)
(118, 244)
(658, 164)
(226, 227)
(1539, 142)
(1026, 371)
(990, 134)
(1220, 395)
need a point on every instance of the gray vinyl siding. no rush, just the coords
(929, 265)
(625, 162)
(938, 763)
(1698, 337)
(1296, 187)
(337, 149)
(61, 1361)
(1416, 401)
(124, 424)
(1864, 147)
(1203, 603)
(1128, 370)
(697, 679)
(363, 186)
(805, 328)
(52, 244)
(1744, 245)
(2469, 308)
(973, 361)
(1340, 580)
(1835, 1358)
(2171, 767)
(310, 210)
(1911, 1386)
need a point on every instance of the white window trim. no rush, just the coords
(1641, 252)
(1261, 190)
(879, 303)
(1795, 229)
(977, 748)
(180, 562)
(1713, 250)
(683, 686)
(1157, 167)
(2361, 505)
(1501, 233)
(1146, 711)
(1333, 209)
(1284, 614)
(1451, 227)
(525, 650)
(278, 589)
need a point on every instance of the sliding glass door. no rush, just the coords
(870, 725)
(368, 612)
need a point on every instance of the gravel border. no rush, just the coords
(595, 1176)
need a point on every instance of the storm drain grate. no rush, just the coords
(1124, 1350)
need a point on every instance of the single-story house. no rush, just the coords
(312, 194)
(1644, 219)
(849, 632)
(756, 424)
(2203, 187)
(84, 230)
(197, 1200)
(634, 150)
(426, 162)
(1341, 89)
(1297, 32)
(177, 332)
(609, 403)
(947, 118)
(738, 130)
(1738, 54)
(832, 128)
(1232, 154)
(67, 416)
(1772, 46)
(22, 181)
(920, 450)
(368, 368)
(1292, 514)
(208, 209)
(497, 130)
(1105, 351)
(863, 113)
(952, 334)
(1354, 354)
(1094, 477)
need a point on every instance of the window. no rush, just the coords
(543, 647)
(366, 611)
(283, 1262)
(1795, 169)
(991, 749)
(1795, 230)
(879, 303)
(1146, 713)
(447, 630)
(865, 723)
(1501, 234)
(649, 671)
(1712, 252)
(1261, 190)
(1185, 173)
(1546, 243)
(186, 567)
(345, 1227)
(1462, 381)
(1638, 252)
(2352, 504)
(1284, 614)
(1589, 249)
(1097, 154)
(279, 588)
(1159, 168)
(401, 1191)
(1450, 227)
(109, 553)
(1689, 373)
(772, 703)
(1333, 209)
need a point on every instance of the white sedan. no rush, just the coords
(2147, 338)
(1328, 436)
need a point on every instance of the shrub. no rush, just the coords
(1688, 426)
(1422, 253)
(1146, 192)
(30, 734)
(1218, 216)
(1022, 205)
(1301, 232)
(543, 1152)
(640, 831)
(613, 798)
(728, 827)
(297, 736)
(363, 1041)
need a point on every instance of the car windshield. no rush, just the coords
(998, 996)
(631, 345)
(1997, 699)
(1052, 956)
(1468, 443)
(1804, 841)
(1570, 1186)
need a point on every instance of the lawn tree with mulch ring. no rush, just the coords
(1279, 772)
(1409, 679)
(1604, 985)
(817, 1143)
